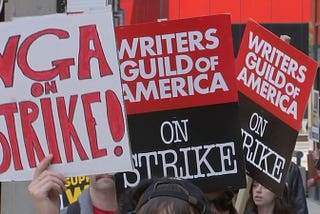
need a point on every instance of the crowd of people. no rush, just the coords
(158, 195)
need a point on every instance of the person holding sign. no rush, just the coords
(99, 198)
(164, 195)
(263, 201)
(297, 197)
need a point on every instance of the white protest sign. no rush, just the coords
(61, 94)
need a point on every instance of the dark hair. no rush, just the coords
(129, 199)
(281, 205)
(223, 201)
(170, 195)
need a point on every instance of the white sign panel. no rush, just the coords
(61, 94)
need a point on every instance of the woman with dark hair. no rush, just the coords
(264, 201)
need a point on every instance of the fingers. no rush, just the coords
(49, 176)
(51, 181)
(43, 165)
(47, 183)
(46, 186)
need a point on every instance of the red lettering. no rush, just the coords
(8, 110)
(50, 87)
(60, 67)
(6, 158)
(29, 113)
(115, 116)
(50, 129)
(89, 36)
(87, 100)
(68, 129)
(7, 61)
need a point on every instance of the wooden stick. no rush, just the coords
(243, 196)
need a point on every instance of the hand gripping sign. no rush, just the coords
(61, 94)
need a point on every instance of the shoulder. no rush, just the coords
(85, 202)
(73, 208)
(64, 210)
(249, 212)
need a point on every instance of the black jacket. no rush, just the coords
(297, 197)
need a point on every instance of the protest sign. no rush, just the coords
(274, 81)
(181, 98)
(61, 93)
(74, 187)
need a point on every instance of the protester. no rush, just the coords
(221, 202)
(297, 196)
(99, 198)
(164, 195)
(316, 156)
(264, 201)
(316, 177)
(129, 199)
(171, 196)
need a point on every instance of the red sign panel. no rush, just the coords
(177, 67)
(274, 74)
(181, 98)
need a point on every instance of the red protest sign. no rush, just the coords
(274, 74)
(180, 93)
(274, 81)
(176, 68)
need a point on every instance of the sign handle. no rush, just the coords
(243, 196)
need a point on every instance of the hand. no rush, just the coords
(45, 188)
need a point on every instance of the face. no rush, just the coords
(262, 196)
(218, 203)
(102, 182)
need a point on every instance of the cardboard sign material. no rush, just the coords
(274, 81)
(181, 97)
(61, 94)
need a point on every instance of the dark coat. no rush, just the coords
(297, 197)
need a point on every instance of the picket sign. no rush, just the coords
(61, 93)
